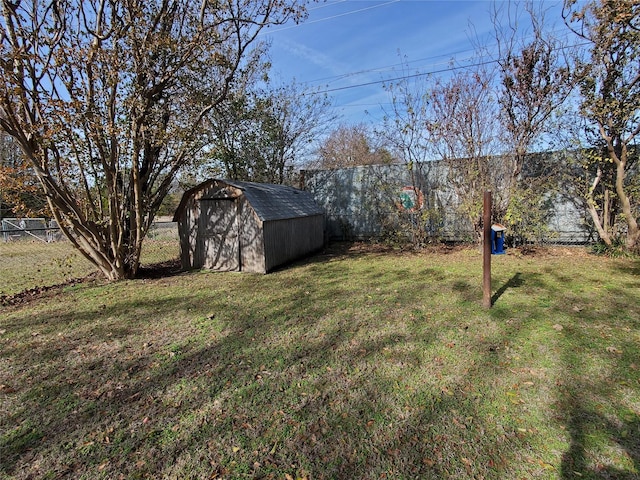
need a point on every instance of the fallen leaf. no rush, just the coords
(545, 465)
(614, 350)
(459, 424)
(447, 391)
(558, 327)
(236, 449)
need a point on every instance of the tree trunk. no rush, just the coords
(602, 229)
(620, 160)
(601, 224)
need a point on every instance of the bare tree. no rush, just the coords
(351, 145)
(261, 135)
(107, 99)
(534, 69)
(463, 125)
(404, 122)
(535, 83)
(609, 81)
(405, 130)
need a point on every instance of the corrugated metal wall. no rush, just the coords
(361, 201)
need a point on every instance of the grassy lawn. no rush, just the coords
(354, 364)
(30, 264)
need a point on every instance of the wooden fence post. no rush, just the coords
(486, 251)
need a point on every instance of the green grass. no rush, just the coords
(353, 364)
(31, 264)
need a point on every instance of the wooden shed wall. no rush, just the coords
(290, 239)
(252, 255)
(188, 231)
(221, 230)
(209, 216)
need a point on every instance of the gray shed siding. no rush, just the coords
(290, 239)
(218, 234)
(208, 240)
(241, 226)
(252, 252)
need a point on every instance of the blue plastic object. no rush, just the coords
(497, 239)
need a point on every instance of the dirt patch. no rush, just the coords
(168, 268)
(362, 248)
(31, 294)
(545, 252)
(359, 248)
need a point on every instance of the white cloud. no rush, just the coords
(315, 58)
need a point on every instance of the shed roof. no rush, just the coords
(269, 201)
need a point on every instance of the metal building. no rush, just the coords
(251, 227)
(361, 202)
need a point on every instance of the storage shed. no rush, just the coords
(243, 226)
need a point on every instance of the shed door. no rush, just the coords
(219, 233)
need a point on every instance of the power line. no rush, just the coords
(405, 77)
(332, 17)
(450, 55)
(328, 4)
(450, 68)
(331, 79)
(422, 74)
(387, 67)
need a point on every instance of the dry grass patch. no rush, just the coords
(30, 264)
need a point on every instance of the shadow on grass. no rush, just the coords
(318, 377)
(625, 435)
(600, 411)
(514, 282)
(247, 392)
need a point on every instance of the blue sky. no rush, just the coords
(346, 44)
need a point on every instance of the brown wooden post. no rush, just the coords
(486, 252)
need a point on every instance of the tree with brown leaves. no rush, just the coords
(609, 80)
(107, 100)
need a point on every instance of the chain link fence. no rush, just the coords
(41, 229)
(46, 231)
